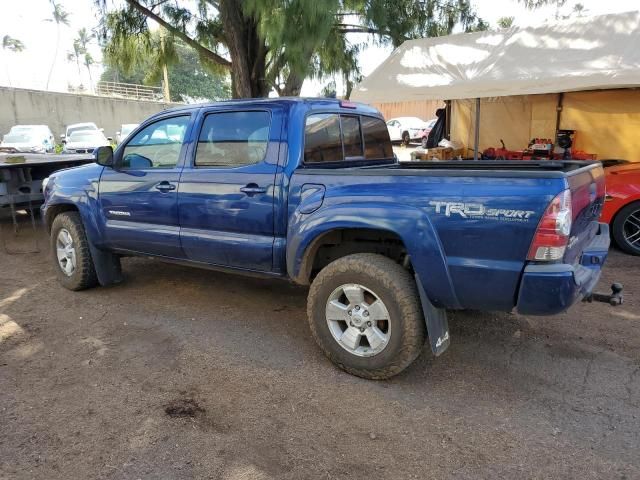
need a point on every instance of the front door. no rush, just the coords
(139, 196)
(226, 198)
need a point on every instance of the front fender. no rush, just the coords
(411, 224)
(77, 188)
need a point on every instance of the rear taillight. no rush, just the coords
(552, 234)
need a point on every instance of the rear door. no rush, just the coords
(587, 199)
(226, 198)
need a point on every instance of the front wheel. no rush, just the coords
(626, 228)
(71, 256)
(364, 313)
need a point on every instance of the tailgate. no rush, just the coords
(587, 198)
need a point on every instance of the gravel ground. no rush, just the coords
(182, 373)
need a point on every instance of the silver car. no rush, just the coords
(85, 141)
(28, 139)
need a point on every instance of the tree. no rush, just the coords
(12, 45)
(60, 17)
(535, 4)
(74, 56)
(272, 44)
(505, 22)
(188, 77)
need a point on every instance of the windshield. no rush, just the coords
(19, 137)
(70, 130)
(84, 136)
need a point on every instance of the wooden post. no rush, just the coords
(476, 145)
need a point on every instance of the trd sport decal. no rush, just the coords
(475, 210)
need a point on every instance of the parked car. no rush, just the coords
(75, 127)
(124, 132)
(424, 135)
(85, 141)
(405, 129)
(309, 190)
(622, 204)
(28, 139)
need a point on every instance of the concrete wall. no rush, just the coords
(57, 110)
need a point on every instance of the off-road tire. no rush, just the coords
(397, 288)
(617, 229)
(84, 275)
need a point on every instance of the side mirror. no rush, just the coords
(110, 139)
(104, 156)
(64, 141)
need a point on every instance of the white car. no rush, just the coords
(124, 132)
(28, 139)
(75, 127)
(85, 141)
(405, 129)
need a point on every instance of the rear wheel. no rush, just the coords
(71, 256)
(626, 228)
(406, 138)
(364, 313)
(424, 142)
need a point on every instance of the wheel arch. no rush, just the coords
(408, 226)
(54, 210)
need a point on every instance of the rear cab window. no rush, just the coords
(332, 138)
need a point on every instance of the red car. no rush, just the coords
(622, 205)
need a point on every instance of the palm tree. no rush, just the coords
(60, 17)
(13, 45)
(74, 56)
(88, 61)
(83, 40)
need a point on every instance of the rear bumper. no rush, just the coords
(551, 289)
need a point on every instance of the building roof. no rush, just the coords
(585, 53)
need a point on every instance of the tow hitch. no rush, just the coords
(614, 299)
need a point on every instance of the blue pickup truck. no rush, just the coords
(310, 190)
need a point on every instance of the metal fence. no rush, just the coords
(129, 90)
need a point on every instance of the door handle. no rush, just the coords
(253, 189)
(165, 186)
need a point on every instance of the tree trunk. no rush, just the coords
(248, 52)
(292, 86)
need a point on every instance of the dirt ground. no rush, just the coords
(183, 373)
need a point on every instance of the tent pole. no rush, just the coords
(477, 139)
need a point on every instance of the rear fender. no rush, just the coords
(410, 224)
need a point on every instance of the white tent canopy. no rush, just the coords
(587, 53)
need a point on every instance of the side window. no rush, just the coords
(376, 139)
(322, 142)
(157, 145)
(233, 139)
(352, 137)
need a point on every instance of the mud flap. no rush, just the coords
(107, 266)
(436, 320)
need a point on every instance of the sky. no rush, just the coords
(27, 21)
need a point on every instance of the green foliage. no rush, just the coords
(535, 4)
(12, 44)
(188, 76)
(276, 44)
(505, 22)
